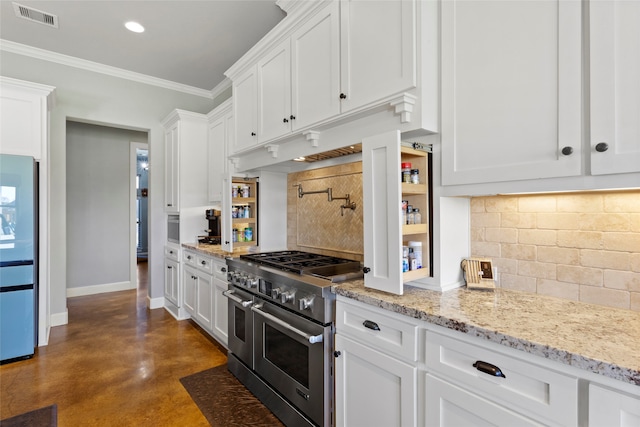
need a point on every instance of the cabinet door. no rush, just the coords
(274, 100)
(511, 90)
(449, 405)
(171, 162)
(615, 86)
(382, 212)
(220, 309)
(189, 286)
(227, 222)
(23, 127)
(204, 301)
(171, 274)
(373, 389)
(608, 408)
(245, 110)
(315, 68)
(217, 157)
(378, 50)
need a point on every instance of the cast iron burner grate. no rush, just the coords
(304, 263)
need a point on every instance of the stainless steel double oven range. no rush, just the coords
(281, 327)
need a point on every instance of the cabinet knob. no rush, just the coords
(336, 353)
(365, 270)
(253, 134)
(292, 117)
(285, 120)
(223, 269)
(601, 147)
(567, 151)
(203, 262)
(226, 242)
(343, 96)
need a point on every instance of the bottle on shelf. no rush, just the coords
(406, 172)
(417, 216)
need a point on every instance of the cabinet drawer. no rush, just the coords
(527, 388)
(204, 263)
(220, 269)
(172, 253)
(189, 258)
(377, 330)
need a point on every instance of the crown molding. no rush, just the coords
(46, 55)
(221, 87)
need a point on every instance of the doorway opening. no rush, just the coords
(139, 203)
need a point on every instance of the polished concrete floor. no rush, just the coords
(116, 363)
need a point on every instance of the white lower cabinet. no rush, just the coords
(610, 408)
(219, 319)
(516, 387)
(372, 388)
(204, 280)
(452, 406)
(173, 283)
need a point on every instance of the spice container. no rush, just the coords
(417, 216)
(415, 254)
(405, 175)
(405, 259)
(247, 212)
(415, 176)
(248, 234)
(234, 235)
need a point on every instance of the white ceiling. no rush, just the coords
(188, 42)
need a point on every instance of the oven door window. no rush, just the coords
(287, 354)
(239, 323)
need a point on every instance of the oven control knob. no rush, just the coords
(241, 279)
(275, 293)
(306, 303)
(252, 282)
(287, 296)
(230, 276)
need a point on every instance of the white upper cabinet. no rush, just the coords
(315, 69)
(220, 138)
(511, 90)
(24, 114)
(326, 61)
(378, 50)
(299, 79)
(274, 88)
(245, 110)
(614, 53)
(185, 141)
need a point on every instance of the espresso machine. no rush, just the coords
(213, 236)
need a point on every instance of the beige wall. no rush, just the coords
(583, 247)
(314, 224)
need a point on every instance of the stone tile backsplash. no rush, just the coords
(579, 246)
(314, 224)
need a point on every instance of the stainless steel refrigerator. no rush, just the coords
(18, 257)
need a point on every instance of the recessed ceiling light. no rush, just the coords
(134, 26)
(299, 159)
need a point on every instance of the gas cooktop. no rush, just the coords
(305, 263)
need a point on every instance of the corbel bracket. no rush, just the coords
(312, 136)
(403, 105)
(273, 149)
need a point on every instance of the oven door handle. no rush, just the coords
(229, 294)
(313, 339)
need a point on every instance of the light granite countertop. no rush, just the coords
(217, 251)
(594, 338)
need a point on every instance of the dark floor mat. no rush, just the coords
(224, 401)
(43, 417)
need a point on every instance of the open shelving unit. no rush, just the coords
(252, 202)
(418, 196)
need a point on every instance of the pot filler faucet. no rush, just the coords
(348, 204)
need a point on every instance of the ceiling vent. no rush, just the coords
(35, 15)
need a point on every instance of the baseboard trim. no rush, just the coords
(153, 303)
(59, 319)
(99, 289)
